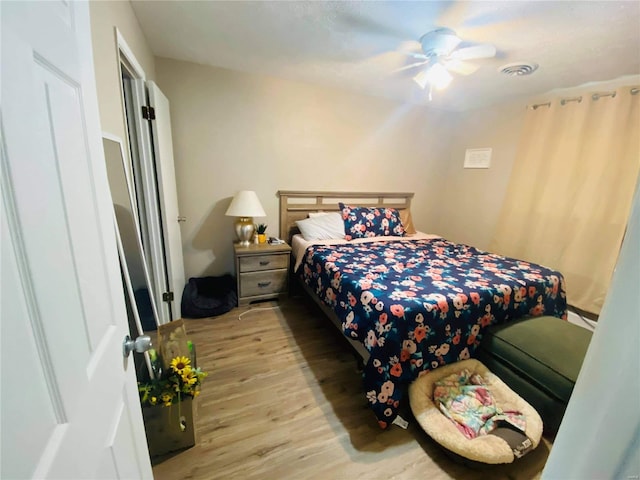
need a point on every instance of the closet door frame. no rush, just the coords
(138, 138)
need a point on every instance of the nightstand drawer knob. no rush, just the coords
(264, 262)
(264, 284)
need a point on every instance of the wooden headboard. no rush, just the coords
(296, 205)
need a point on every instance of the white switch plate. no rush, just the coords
(477, 158)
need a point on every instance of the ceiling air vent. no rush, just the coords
(518, 69)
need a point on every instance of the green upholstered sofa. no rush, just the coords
(539, 358)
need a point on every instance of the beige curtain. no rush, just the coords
(571, 188)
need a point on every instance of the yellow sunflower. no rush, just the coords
(189, 378)
(180, 365)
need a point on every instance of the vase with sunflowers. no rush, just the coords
(167, 402)
(182, 379)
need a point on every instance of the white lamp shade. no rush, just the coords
(245, 204)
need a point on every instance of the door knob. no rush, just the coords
(139, 345)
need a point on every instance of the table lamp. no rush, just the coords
(245, 205)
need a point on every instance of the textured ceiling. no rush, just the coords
(356, 45)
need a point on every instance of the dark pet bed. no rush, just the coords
(209, 296)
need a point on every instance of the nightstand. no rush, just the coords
(262, 271)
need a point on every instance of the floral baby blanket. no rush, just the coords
(465, 399)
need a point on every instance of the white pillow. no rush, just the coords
(322, 227)
(320, 214)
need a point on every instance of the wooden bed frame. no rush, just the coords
(296, 205)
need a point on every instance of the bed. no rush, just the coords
(409, 304)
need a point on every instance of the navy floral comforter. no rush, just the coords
(420, 304)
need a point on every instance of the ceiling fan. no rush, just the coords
(441, 55)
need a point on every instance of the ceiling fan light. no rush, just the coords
(438, 76)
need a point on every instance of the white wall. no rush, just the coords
(234, 131)
(105, 15)
(471, 204)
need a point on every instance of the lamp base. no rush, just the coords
(244, 230)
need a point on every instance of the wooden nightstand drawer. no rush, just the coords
(256, 263)
(262, 272)
(263, 283)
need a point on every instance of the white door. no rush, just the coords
(69, 404)
(170, 215)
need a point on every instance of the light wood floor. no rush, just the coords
(283, 400)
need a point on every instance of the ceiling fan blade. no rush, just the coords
(414, 54)
(412, 65)
(477, 51)
(410, 46)
(460, 67)
(412, 49)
